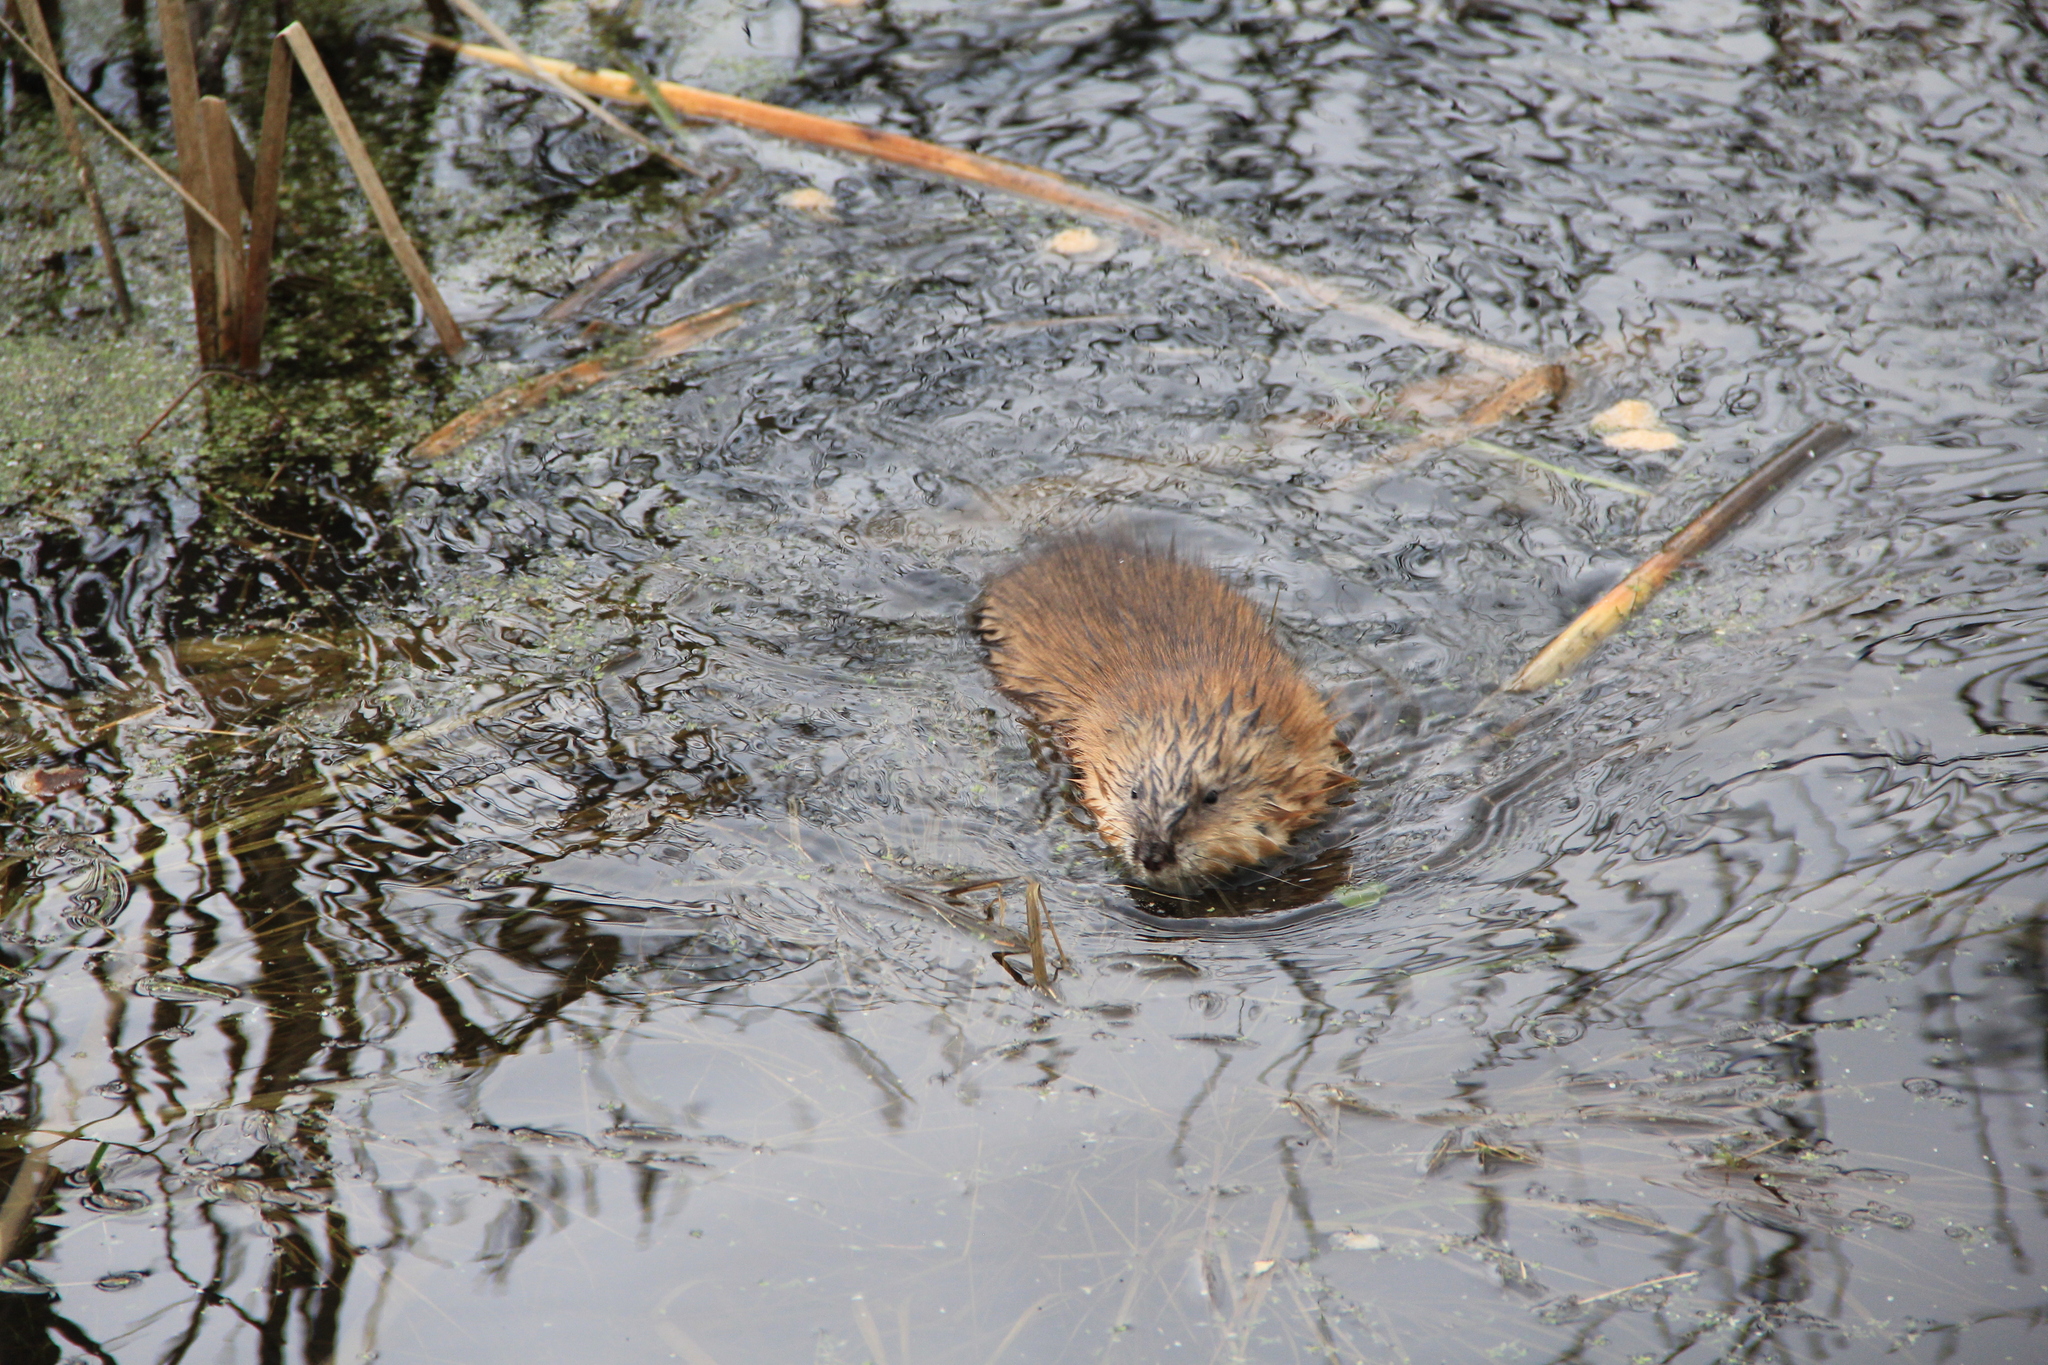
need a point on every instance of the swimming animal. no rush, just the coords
(1196, 743)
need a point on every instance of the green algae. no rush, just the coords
(72, 409)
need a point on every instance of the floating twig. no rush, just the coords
(1291, 288)
(44, 49)
(502, 406)
(1605, 616)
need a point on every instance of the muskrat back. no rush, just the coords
(1195, 741)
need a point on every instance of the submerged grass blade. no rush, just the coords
(1634, 490)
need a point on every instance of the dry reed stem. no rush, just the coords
(181, 76)
(225, 198)
(45, 50)
(1289, 287)
(372, 184)
(502, 406)
(149, 163)
(1604, 617)
(264, 190)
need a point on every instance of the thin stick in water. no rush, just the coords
(1034, 927)
(1290, 288)
(1605, 616)
(74, 142)
(502, 406)
(386, 212)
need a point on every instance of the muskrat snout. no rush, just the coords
(1154, 855)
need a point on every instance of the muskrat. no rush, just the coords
(1195, 741)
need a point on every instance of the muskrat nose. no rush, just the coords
(1154, 854)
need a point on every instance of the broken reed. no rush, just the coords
(230, 274)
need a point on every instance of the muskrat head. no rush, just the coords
(1186, 799)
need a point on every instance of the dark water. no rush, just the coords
(580, 919)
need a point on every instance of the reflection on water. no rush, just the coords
(582, 902)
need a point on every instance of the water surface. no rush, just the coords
(582, 917)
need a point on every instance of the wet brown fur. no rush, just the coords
(1195, 741)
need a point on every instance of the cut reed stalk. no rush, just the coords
(225, 199)
(181, 77)
(265, 187)
(148, 162)
(1034, 928)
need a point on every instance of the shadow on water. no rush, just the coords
(570, 900)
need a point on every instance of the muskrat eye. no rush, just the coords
(1210, 798)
